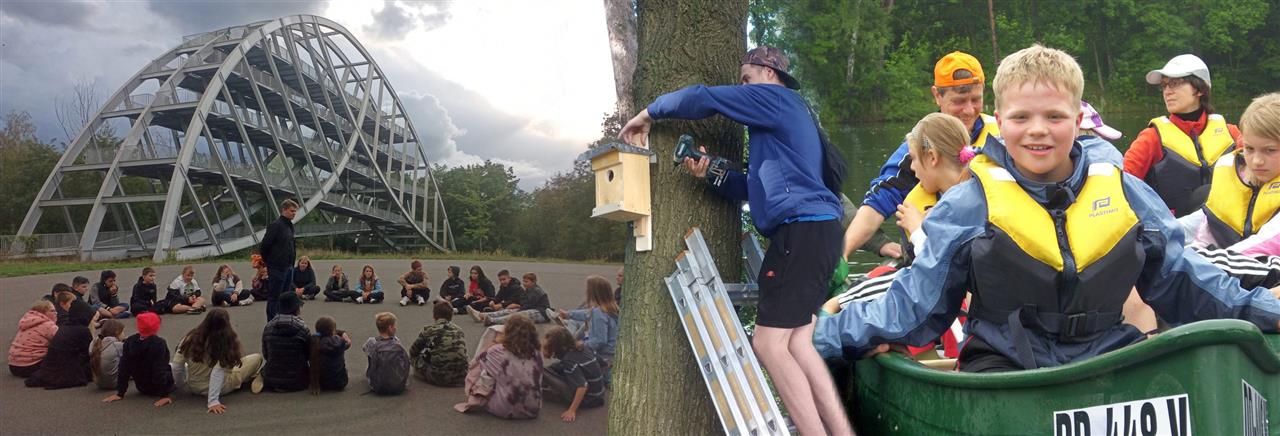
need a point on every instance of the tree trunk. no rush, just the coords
(658, 387)
(991, 17)
(621, 21)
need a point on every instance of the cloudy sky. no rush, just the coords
(520, 82)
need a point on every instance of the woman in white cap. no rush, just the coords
(1175, 153)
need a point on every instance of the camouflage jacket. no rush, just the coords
(439, 356)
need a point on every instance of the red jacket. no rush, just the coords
(1146, 149)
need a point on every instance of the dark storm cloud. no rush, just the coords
(48, 12)
(192, 16)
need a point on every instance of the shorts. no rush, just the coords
(797, 267)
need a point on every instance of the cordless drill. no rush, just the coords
(719, 165)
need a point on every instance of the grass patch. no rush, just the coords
(25, 267)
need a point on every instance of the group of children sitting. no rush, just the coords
(56, 347)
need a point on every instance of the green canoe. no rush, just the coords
(1219, 377)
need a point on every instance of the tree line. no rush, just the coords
(872, 60)
(488, 211)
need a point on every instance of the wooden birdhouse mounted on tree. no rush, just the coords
(622, 187)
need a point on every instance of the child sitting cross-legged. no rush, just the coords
(105, 357)
(439, 356)
(388, 371)
(66, 364)
(31, 344)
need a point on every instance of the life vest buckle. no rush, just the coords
(1077, 326)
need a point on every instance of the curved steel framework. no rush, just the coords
(238, 120)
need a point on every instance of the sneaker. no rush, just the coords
(256, 385)
(359, 300)
(404, 301)
(421, 301)
(554, 316)
(475, 314)
(246, 301)
(196, 310)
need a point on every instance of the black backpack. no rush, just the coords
(834, 168)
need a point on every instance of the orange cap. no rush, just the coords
(947, 66)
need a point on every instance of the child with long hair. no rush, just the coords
(228, 289)
(506, 378)
(304, 279)
(104, 360)
(368, 287)
(601, 317)
(338, 288)
(211, 361)
(480, 290)
(31, 344)
(576, 378)
(328, 361)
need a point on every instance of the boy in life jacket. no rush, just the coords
(1049, 241)
(1176, 153)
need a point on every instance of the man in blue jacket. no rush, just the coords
(791, 206)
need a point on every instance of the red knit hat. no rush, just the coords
(148, 324)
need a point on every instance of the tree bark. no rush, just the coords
(621, 20)
(991, 17)
(658, 387)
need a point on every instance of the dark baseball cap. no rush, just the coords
(771, 57)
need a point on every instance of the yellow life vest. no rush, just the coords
(1211, 143)
(1236, 210)
(1187, 162)
(1095, 223)
(1059, 272)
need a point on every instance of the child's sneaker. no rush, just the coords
(421, 301)
(404, 300)
(475, 313)
(256, 385)
(554, 316)
(246, 301)
(359, 300)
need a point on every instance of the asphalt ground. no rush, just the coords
(425, 409)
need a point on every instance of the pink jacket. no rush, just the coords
(35, 330)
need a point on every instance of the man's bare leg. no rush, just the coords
(772, 347)
(823, 387)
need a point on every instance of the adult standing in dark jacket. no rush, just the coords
(278, 250)
(791, 205)
(286, 345)
(67, 363)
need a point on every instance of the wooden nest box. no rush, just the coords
(622, 187)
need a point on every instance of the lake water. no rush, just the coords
(866, 146)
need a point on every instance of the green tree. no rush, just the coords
(25, 163)
(483, 201)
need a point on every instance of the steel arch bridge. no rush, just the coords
(237, 120)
